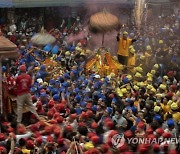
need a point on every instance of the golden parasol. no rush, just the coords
(43, 38)
(102, 22)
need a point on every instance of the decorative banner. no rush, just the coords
(6, 3)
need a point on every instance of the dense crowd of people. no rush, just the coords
(78, 111)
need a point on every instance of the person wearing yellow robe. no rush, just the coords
(132, 58)
(148, 54)
(123, 48)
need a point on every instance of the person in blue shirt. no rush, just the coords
(42, 73)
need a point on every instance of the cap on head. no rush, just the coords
(125, 33)
(22, 68)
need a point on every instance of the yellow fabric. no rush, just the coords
(104, 64)
(174, 106)
(153, 72)
(166, 108)
(125, 33)
(124, 47)
(136, 103)
(138, 75)
(147, 59)
(132, 60)
(124, 90)
(153, 90)
(129, 77)
(88, 145)
(161, 41)
(142, 57)
(132, 50)
(112, 63)
(136, 87)
(157, 108)
(176, 116)
(90, 63)
(162, 86)
(139, 69)
(148, 47)
(26, 151)
(156, 66)
(149, 75)
(149, 79)
(67, 53)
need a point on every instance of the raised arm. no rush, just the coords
(117, 37)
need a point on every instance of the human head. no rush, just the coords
(22, 68)
(125, 35)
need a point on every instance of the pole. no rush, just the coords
(1, 78)
(103, 40)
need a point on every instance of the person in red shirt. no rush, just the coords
(23, 85)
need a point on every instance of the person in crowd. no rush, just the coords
(23, 85)
(123, 47)
(84, 113)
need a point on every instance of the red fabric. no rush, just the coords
(95, 139)
(2, 137)
(21, 130)
(57, 131)
(11, 81)
(48, 129)
(128, 134)
(51, 103)
(69, 128)
(60, 119)
(23, 84)
(60, 140)
(10, 129)
(12, 38)
(89, 113)
(166, 135)
(34, 127)
(109, 124)
(74, 116)
(30, 144)
(22, 68)
(111, 95)
(81, 124)
(142, 148)
(41, 111)
(38, 140)
(141, 125)
(94, 125)
(173, 152)
(156, 147)
(149, 131)
(159, 131)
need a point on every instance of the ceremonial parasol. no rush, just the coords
(43, 38)
(102, 22)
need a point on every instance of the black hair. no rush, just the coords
(119, 111)
(169, 116)
(99, 130)
(22, 142)
(70, 135)
(155, 125)
(83, 130)
(72, 111)
(142, 104)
